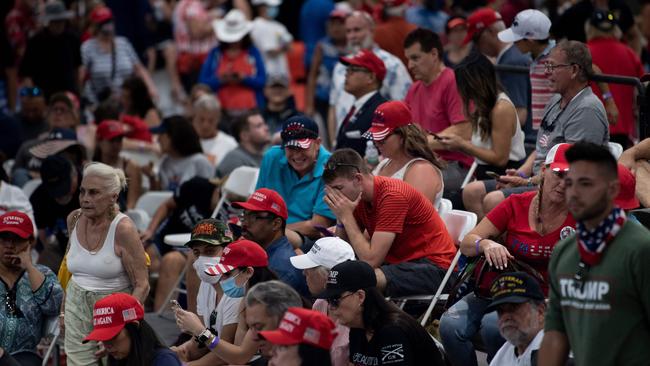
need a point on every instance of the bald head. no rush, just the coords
(359, 28)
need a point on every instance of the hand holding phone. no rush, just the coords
(493, 175)
(175, 305)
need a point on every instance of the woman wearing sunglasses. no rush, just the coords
(380, 333)
(243, 264)
(533, 222)
(407, 155)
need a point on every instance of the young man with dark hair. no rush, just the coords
(252, 133)
(435, 102)
(406, 235)
(599, 277)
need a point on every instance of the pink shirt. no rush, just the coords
(340, 351)
(437, 106)
(184, 11)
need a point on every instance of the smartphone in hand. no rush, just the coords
(175, 305)
(493, 175)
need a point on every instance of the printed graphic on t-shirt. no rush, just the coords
(360, 359)
(392, 353)
(593, 295)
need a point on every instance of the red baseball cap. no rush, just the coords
(111, 313)
(242, 253)
(306, 326)
(368, 60)
(388, 116)
(555, 158)
(110, 129)
(479, 20)
(18, 223)
(626, 198)
(455, 22)
(101, 14)
(265, 200)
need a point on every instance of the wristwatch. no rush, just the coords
(203, 337)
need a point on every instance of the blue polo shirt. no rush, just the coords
(303, 196)
(279, 253)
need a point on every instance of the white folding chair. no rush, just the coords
(139, 217)
(445, 207)
(240, 182)
(616, 149)
(8, 165)
(150, 201)
(31, 186)
(470, 174)
(51, 331)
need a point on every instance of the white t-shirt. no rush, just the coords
(216, 148)
(174, 172)
(225, 313)
(506, 355)
(270, 35)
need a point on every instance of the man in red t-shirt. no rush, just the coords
(406, 242)
(435, 102)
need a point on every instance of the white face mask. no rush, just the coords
(201, 264)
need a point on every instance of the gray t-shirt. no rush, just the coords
(236, 158)
(174, 172)
(583, 119)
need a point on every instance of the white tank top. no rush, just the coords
(402, 172)
(517, 150)
(102, 271)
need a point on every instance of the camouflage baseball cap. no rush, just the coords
(210, 231)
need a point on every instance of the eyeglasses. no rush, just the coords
(549, 67)
(252, 217)
(59, 110)
(356, 69)
(332, 166)
(31, 92)
(334, 303)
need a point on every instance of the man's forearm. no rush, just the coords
(356, 238)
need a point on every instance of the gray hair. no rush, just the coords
(207, 102)
(577, 53)
(113, 178)
(277, 296)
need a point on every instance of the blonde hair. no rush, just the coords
(114, 179)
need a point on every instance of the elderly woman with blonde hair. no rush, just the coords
(105, 256)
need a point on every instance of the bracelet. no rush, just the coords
(521, 174)
(529, 182)
(213, 343)
(476, 243)
(340, 226)
(607, 95)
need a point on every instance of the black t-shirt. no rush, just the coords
(63, 55)
(51, 216)
(571, 24)
(394, 344)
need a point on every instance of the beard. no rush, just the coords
(366, 44)
(597, 208)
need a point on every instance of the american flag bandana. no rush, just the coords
(592, 243)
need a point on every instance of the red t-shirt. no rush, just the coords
(437, 106)
(399, 208)
(236, 97)
(511, 216)
(615, 58)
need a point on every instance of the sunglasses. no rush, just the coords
(332, 166)
(31, 92)
(335, 302)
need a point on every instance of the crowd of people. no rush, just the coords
(364, 120)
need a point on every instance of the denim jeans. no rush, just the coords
(461, 323)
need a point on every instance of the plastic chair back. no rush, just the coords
(31, 186)
(459, 223)
(616, 149)
(445, 207)
(241, 182)
(150, 201)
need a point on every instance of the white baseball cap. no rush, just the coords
(326, 252)
(528, 24)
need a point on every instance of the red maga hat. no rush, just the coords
(388, 116)
(479, 20)
(110, 129)
(111, 314)
(265, 200)
(242, 253)
(368, 60)
(626, 198)
(18, 223)
(302, 326)
(101, 14)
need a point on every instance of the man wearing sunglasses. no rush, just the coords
(390, 225)
(294, 171)
(29, 293)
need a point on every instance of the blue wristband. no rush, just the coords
(340, 226)
(214, 343)
(522, 175)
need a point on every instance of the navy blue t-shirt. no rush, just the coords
(165, 357)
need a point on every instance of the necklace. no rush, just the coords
(95, 247)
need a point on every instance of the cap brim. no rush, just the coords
(645, 77)
(206, 241)
(51, 147)
(628, 204)
(508, 36)
(468, 37)
(506, 300)
(377, 134)
(218, 269)
(302, 261)
(559, 167)
(301, 143)
(219, 27)
(103, 334)
(17, 231)
(248, 206)
(331, 293)
(279, 337)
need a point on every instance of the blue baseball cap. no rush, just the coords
(299, 131)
